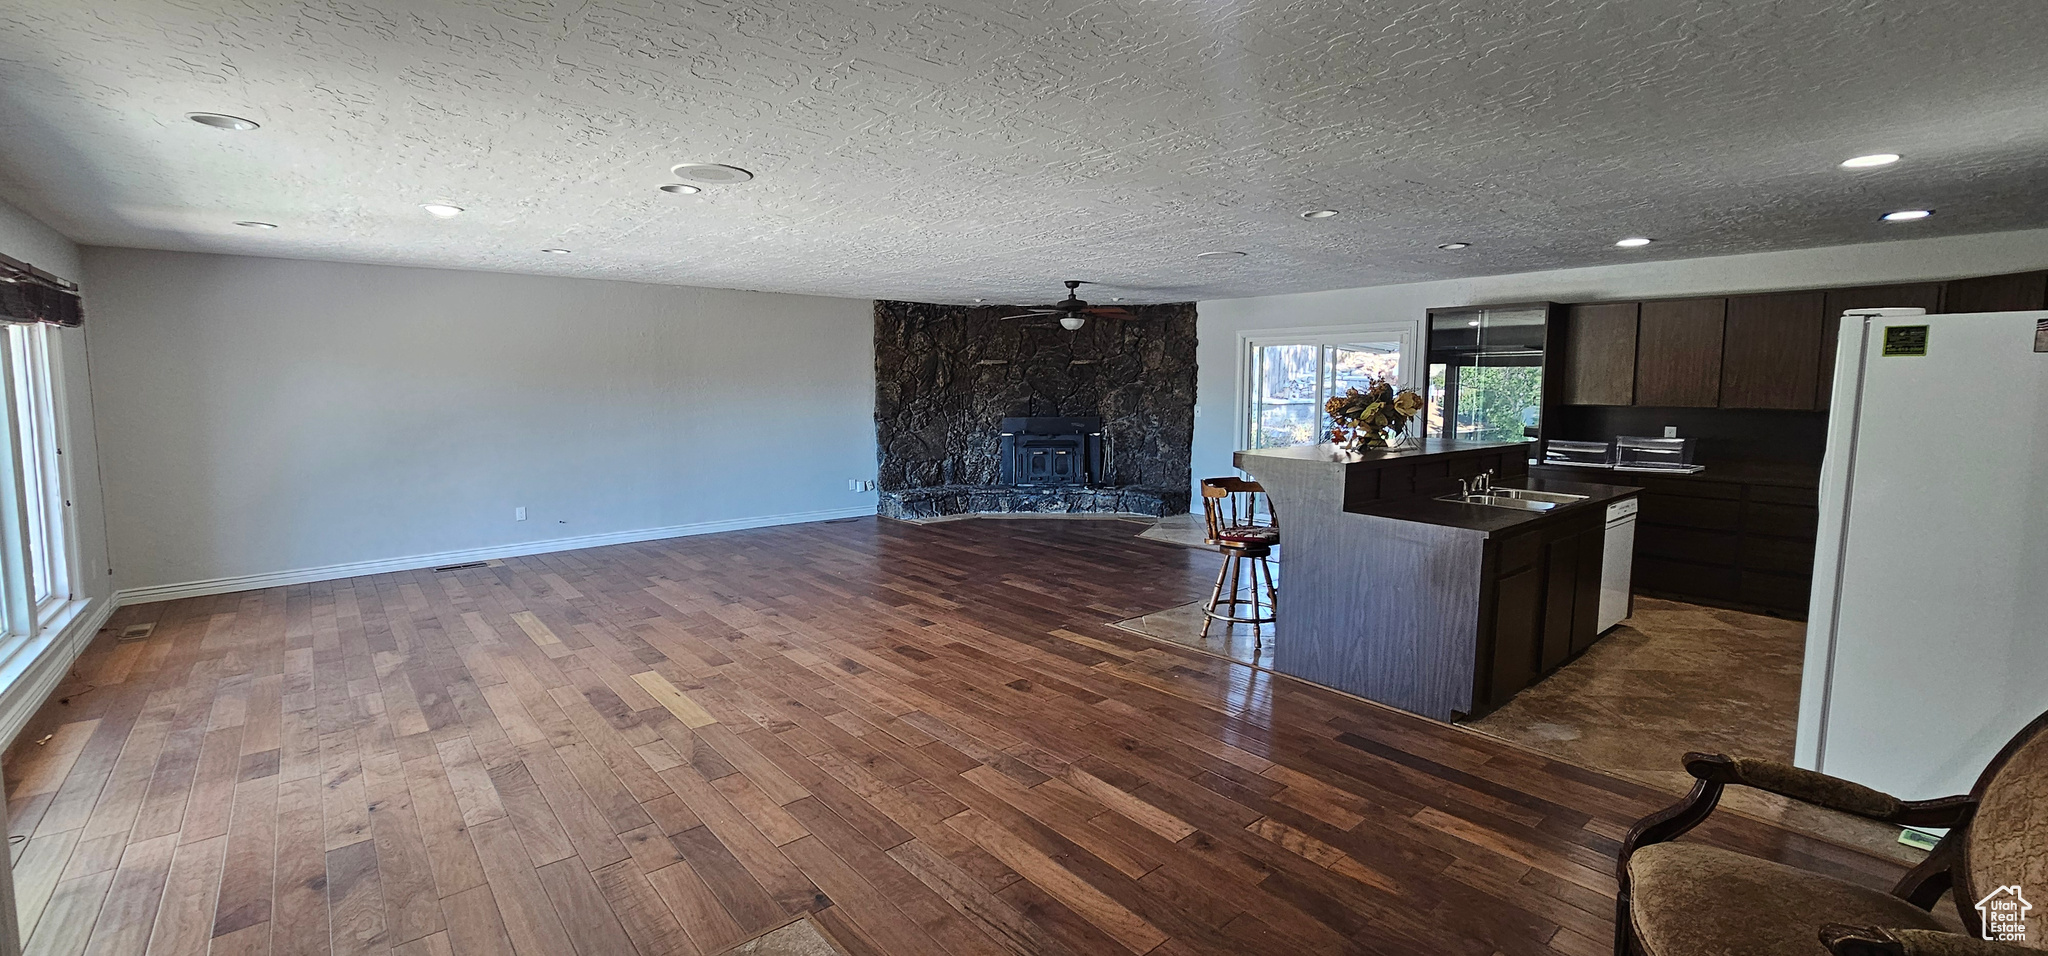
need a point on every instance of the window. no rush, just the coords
(43, 581)
(1288, 377)
(1485, 373)
(1486, 402)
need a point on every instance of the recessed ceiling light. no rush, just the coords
(1633, 242)
(1907, 215)
(556, 252)
(717, 174)
(1220, 255)
(1474, 323)
(253, 224)
(681, 189)
(981, 300)
(1319, 214)
(222, 121)
(1874, 159)
(441, 209)
(1454, 246)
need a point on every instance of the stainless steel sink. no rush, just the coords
(1502, 501)
(1554, 497)
(1520, 499)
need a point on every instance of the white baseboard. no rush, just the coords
(40, 665)
(272, 579)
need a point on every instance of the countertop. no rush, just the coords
(1492, 520)
(1327, 453)
(1787, 474)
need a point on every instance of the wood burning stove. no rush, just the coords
(1052, 451)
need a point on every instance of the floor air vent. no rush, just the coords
(463, 567)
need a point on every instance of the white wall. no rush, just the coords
(28, 672)
(266, 420)
(1220, 321)
(27, 239)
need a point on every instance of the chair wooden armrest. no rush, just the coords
(1832, 793)
(1864, 941)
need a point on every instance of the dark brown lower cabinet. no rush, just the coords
(1586, 589)
(1737, 537)
(1517, 633)
(1543, 603)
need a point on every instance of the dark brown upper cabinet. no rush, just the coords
(1911, 295)
(2021, 292)
(1678, 353)
(1599, 360)
(1769, 354)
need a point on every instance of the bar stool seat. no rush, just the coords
(1231, 508)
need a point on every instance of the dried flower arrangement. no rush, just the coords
(1364, 418)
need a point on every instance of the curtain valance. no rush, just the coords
(28, 294)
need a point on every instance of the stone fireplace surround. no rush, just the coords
(947, 375)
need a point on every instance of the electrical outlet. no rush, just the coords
(519, 514)
(1671, 431)
(867, 486)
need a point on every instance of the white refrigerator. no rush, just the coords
(1927, 637)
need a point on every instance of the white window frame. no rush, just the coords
(23, 615)
(1408, 333)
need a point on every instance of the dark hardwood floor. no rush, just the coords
(928, 737)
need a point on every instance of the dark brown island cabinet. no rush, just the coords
(1539, 602)
(1439, 607)
(1749, 378)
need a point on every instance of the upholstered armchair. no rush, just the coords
(1690, 899)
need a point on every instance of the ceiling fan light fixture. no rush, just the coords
(1072, 323)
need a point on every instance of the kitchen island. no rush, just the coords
(1435, 606)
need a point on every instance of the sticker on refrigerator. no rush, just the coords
(2041, 335)
(1905, 340)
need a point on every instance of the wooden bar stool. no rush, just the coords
(1232, 507)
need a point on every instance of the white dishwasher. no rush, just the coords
(1616, 560)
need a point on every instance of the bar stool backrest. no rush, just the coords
(1234, 503)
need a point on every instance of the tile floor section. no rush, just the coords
(800, 938)
(1674, 678)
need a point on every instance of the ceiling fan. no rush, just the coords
(1073, 311)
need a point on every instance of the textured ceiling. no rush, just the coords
(940, 152)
